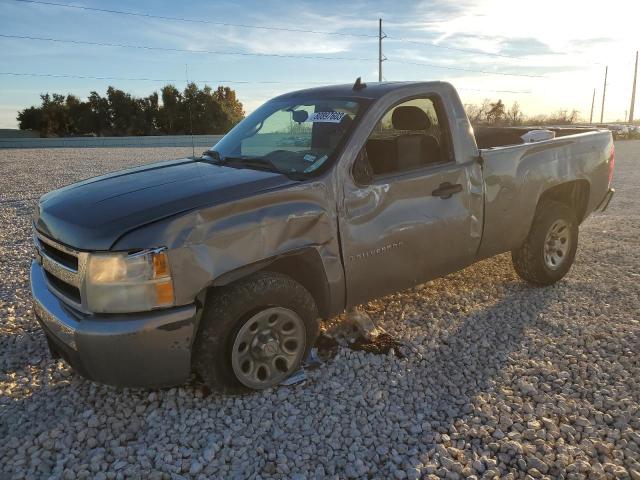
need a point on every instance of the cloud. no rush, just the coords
(264, 41)
(556, 23)
(284, 43)
(524, 46)
(568, 41)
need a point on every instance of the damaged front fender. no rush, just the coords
(211, 245)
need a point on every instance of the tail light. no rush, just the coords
(612, 162)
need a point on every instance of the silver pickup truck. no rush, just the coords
(318, 201)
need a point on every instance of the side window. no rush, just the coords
(409, 136)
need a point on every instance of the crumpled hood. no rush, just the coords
(93, 214)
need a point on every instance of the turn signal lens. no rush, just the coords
(160, 265)
(164, 293)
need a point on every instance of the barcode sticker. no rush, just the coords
(326, 117)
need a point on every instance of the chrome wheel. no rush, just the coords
(268, 348)
(557, 244)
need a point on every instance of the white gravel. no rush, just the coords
(502, 380)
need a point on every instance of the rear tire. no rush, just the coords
(548, 252)
(254, 333)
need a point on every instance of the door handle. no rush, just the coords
(446, 190)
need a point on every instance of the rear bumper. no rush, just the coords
(150, 349)
(602, 206)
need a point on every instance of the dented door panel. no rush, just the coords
(396, 234)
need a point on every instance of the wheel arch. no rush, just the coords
(305, 266)
(574, 193)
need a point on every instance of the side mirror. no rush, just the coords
(299, 116)
(362, 171)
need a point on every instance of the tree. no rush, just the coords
(514, 115)
(477, 113)
(564, 117)
(150, 108)
(80, 116)
(55, 116)
(230, 104)
(170, 118)
(31, 119)
(496, 114)
(100, 114)
(202, 111)
(124, 110)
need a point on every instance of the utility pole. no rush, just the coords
(604, 93)
(593, 101)
(381, 58)
(633, 90)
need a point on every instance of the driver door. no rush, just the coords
(412, 220)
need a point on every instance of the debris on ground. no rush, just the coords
(294, 379)
(380, 344)
(327, 347)
(363, 322)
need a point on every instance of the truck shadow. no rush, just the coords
(433, 388)
(451, 373)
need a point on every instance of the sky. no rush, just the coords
(547, 55)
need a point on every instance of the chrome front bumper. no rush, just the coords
(149, 349)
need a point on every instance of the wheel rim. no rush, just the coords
(557, 244)
(268, 347)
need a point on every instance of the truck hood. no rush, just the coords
(93, 214)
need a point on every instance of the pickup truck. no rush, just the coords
(222, 265)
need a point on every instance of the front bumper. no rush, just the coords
(149, 349)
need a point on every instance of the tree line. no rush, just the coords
(201, 111)
(497, 114)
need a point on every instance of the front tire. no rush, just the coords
(254, 333)
(548, 252)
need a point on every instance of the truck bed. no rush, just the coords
(492, 137)
(514, 175)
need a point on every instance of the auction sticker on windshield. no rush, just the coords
(326, 117)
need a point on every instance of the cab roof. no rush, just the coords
(373, 90)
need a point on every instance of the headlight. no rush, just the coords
(128, 282)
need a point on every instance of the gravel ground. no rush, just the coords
(500, 380)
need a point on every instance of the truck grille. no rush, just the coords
(63, 258)
(64, 268)
(63, 287)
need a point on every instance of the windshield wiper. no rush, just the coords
(212, 154)
(261, 163)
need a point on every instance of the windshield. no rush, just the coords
(292, 136)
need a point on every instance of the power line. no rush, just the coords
(138, 79)
(261, 27)
(485, 72)
(276, 55)
(181, 50)
(176, 80)
(193, 20)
